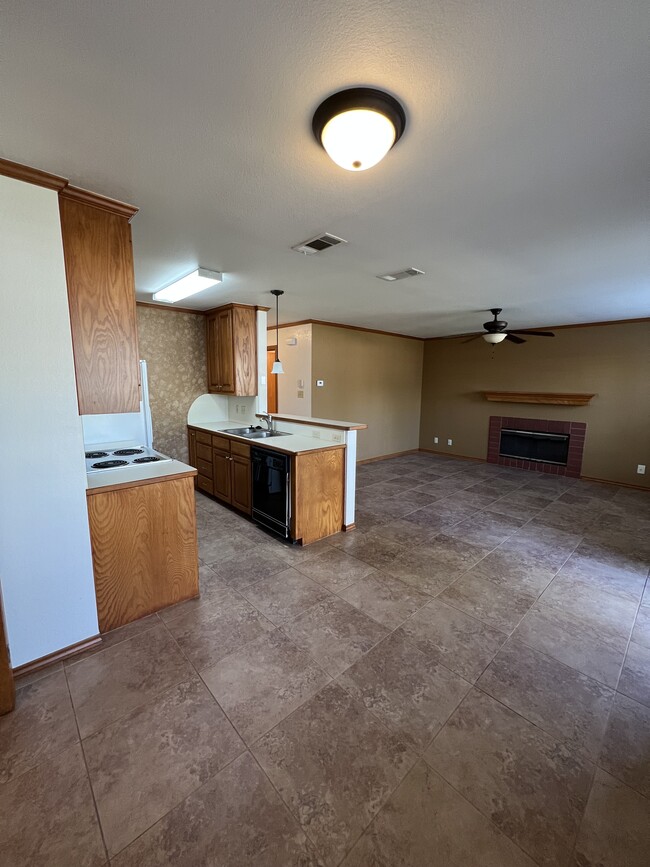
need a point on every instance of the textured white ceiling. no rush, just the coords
(521, 180)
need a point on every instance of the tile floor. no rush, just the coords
(463, 680)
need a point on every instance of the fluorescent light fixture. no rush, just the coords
(192, 283)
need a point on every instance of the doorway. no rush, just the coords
(271, 382)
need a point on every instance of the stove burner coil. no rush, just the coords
(146, 460)
(127, 452)
(108, 465)
(96, 455)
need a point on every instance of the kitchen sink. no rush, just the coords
(256, 433)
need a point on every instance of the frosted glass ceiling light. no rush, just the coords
(357, 127)
(277, 364)
(192, 283)
(494, 338)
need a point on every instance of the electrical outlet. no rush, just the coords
(337, 438)
(450, 442)
(301, 393)
(435, 441)
(641, 469)
(316, 434)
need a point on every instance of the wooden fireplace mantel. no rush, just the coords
(557, 398)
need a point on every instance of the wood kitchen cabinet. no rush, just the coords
(144, 548)
(232, 350)
(101, 296)
(224, 467)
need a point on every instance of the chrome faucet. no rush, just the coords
(268, 418)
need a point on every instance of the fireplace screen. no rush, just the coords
(546, 448)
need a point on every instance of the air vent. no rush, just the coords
(401, 275)
(318, 244)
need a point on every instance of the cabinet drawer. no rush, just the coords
(205, 483)
(204, 452)
(222, 443)
(202, 437)
(204, 468)
(241, 449)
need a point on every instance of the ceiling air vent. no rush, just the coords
(400, 275)
(318, 244)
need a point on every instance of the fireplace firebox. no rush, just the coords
(547, 448)
(518, 442)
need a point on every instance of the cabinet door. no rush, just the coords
(101, 295)
(191, 446)
(225, 352)
(221, 467)
(241, 484)
(212, 342)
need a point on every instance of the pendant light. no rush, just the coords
(277, 364)
(357, 127)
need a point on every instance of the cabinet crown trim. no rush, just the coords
(95, 200)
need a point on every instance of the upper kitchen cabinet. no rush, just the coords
(101, 295)
(232, 350)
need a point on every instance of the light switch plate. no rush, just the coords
(320, 383)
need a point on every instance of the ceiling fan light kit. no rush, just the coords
(495, 331)
(357, 127)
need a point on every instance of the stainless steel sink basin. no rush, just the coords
(253, 433)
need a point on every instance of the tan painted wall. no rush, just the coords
(173, 344)
(371, 378)
(611, 360)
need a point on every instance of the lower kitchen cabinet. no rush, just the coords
(241, 477)
(224, 467)
(144, 548)
(317, 494)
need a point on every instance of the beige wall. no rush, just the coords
(173, 344)
(371, 378)
(296, 362)
(611, 360)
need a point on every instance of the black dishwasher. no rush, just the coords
(271, 489)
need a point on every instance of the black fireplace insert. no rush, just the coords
(546, 448)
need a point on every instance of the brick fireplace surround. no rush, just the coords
(575, 429)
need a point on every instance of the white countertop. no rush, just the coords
(134, 474)
(293, 443)
(318, 422)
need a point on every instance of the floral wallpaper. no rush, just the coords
(173, 345)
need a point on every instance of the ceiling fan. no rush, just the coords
(495, 331)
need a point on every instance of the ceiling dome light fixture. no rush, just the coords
(277, 364)
(494, 338)
(357, 127)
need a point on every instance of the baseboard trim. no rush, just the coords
(57, 656)
(644, 488)
(385, 457)
(348, 527)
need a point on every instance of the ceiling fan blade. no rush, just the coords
(514, 339)
(535, 333)
(476, 337)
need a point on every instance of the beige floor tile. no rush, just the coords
(112, 683)
(334, 569)
(514, 572)
(615, 831)
(116, 636)
(335, 634)
(612, 615)
(408, 691)
(626, 748)
(215, 548)
(376, 552)
(384, 598)
(265, 681)
(500, 607)
(456, 554)
(285, 595)
(425, 823)
(41, 725)
(235, 820)
(564, 703)
(150, 760)
(641, 631)
(616, 580)
(532, 787)
(211, 588)
(574, 642)
(47, 816)
(417, 568)
(461, 643)
(249, 567)
(334, 765)
(211, 632)
(635, 677)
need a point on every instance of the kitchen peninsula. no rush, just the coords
(322, 459)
